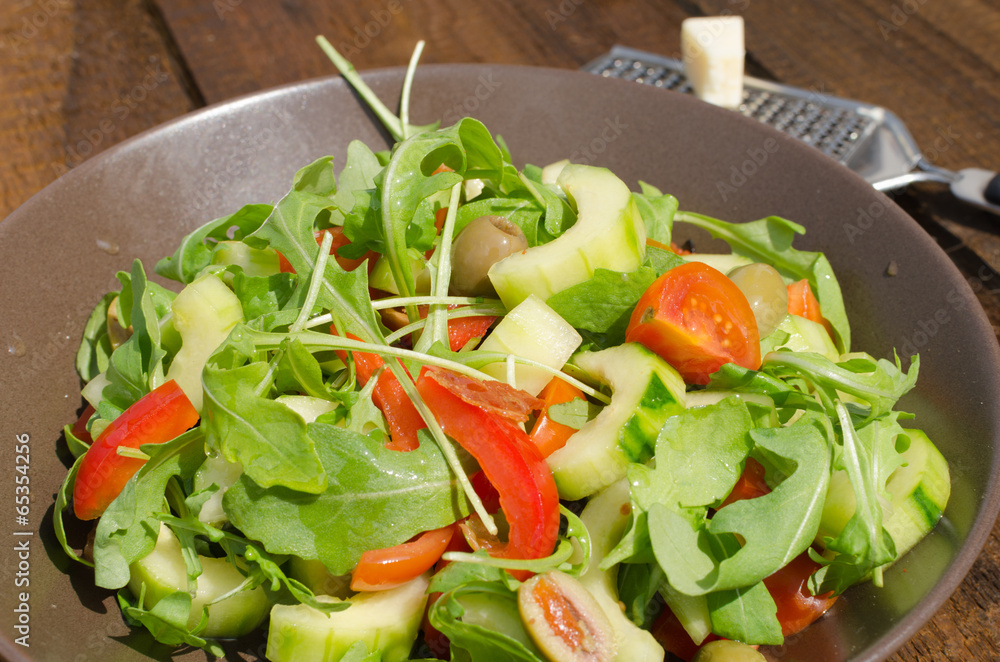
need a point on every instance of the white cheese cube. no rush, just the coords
(713, 53)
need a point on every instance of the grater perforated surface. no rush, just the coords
(811, 117)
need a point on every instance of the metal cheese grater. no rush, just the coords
(869, 140)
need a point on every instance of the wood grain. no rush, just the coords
(81, 79)
(76, 81)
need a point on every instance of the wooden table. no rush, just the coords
(77, 77)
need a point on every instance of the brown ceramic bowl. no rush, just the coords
(61, 250)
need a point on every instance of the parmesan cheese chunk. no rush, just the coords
(713, 53)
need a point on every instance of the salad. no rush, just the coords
(431, 405)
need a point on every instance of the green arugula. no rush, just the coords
(128, 529)
(375, 498)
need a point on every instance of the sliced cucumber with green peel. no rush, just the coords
(163, 572)
(386, 621)
(204, 313)
(606, 516)
(534, 331)
(646, 391)
(608, 234)
(919, 491)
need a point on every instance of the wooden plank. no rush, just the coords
(235, 47)
(76, 81)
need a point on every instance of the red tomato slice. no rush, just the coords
(802, 302)
(381, 569)
(546, 434)
(697, 320)
(510, 461)
(157, 417)
(789, 587)
(461, 330)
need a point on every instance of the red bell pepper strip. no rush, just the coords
(510, 461)
(388, 395)
(382, 569)
(155, 418)
(548, 435)
(802, 302)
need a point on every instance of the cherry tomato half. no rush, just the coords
(697, 320)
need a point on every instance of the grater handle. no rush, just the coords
(992, 191)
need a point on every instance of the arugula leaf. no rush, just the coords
(136, 367)
(603, 303)
(879, 383)
(265, 436)
(770, 240)
(524, 212)
(745, 614)
(375, 498)
(657, 210)
(699, 457)
(62, 503)
(299, 371)
(459, 573)
(167, 620)
(637, 587)
(260, 295)
(481, 621)
(357, 176)
(869, 457)
(128, 529)
(290, 226)
(195, 250)
(467, 148)
(775, 527)
(95, 348)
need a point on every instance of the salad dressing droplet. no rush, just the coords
(109, 247)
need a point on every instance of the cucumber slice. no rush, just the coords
(381, 277)
(163, 572)
(253, 261)
(551, 172)
(534, 331)
(606, 516)
(803, 336)
(386, 621)
(724, 262)
(307, 406)
(318, 579)
(608, 233)
(919, 491)
(216, 470)
(646, 391)
(204, 313)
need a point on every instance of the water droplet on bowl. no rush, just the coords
(16, 347)
(109, 247)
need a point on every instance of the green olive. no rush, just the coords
(766, 292)
(564, 620)
(724, 650)
(481, 244)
